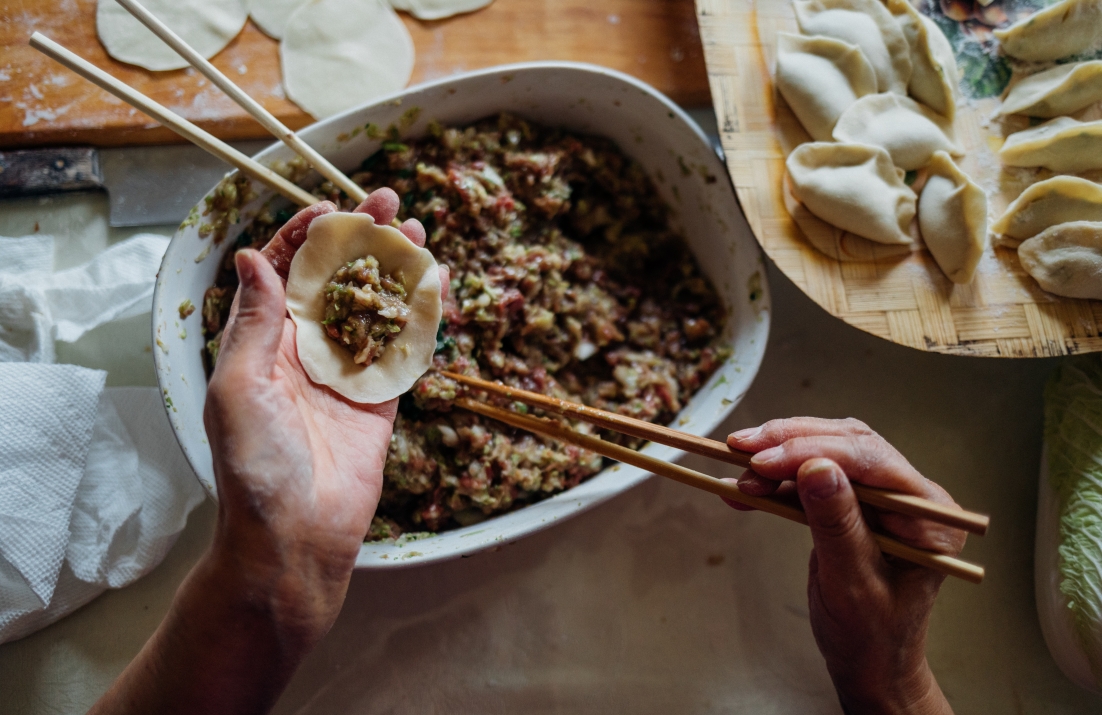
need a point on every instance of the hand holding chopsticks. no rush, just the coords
(905, 504)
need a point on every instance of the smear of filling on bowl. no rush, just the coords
(566, 279)
(364, 310)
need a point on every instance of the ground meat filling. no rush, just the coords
(566, 279)
(364, 310)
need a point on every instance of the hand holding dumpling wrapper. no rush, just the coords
(334, 240)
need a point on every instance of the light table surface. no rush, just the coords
(661, 600)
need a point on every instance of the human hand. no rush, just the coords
(299, 468)
(299, 472)
(869, 613)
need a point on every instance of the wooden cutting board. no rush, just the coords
(43, 103)
(1001, 313)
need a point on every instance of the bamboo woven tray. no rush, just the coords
(1002, 313)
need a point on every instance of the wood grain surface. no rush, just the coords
(42, 103)
(908, 300)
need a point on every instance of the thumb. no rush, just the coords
(255, 328)
(843, 542)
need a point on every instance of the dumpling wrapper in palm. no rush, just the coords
(337, 239)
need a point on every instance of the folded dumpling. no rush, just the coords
(854, 187)
(1060, 30)
(839, 244)
(1066, 259)
(952, 217)
(910, 132)
(1063, 145)
(933, 65)
(867, 24)
(819, 77)
(1061, 199)
(1058, 91)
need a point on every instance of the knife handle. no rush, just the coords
(29, 172)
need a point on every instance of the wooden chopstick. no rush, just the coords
(892, 501)
(173, 121)
(262, 115)
(948, 565)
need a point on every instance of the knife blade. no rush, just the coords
(146, 186)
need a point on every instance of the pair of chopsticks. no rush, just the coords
(884, 499)
(191, 132)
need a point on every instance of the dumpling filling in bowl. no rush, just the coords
(365, 310)
(567, 278)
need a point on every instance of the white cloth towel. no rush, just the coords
(38, 305)
(93, 486)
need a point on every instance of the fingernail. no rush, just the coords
(246, 271)
(748, 433)
(825, 481)
(767, 455)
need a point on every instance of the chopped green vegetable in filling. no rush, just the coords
(365, 309)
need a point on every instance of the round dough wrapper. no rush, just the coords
(332, 241)
(272, 16)
(339, 54)
(206, 25)
(438, 9)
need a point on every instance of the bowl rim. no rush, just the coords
(593, 500)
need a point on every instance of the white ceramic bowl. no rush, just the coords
(583, 98)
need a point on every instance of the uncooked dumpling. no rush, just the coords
(1063, 145)
(272, 16)
(1060, 30)
(339, 54)
(910, 132)
(820, 77)
(1066, 259)
(952, 216)
(837, 243)
(206, 25)
(1058, 91)
(438, 9)
(337, 239)
(1061, 199)
(867, 24)
(933, 66)
(854, 187)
